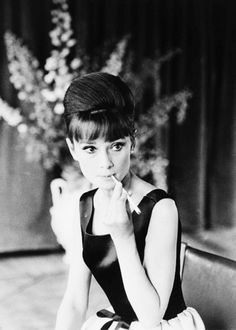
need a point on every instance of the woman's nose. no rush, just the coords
(105, 160)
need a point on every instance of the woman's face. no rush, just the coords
(100, 159)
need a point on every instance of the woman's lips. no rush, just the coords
(106, 176)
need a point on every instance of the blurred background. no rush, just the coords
(179, 59)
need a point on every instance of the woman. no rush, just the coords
(135, 256)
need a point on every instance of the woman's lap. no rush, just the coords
(189, 319)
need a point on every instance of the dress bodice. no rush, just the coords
(100, 256)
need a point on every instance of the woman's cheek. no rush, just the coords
(125, 164)
(87, 169)
(84, 164)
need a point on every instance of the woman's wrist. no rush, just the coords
(125, 244)
(123, 236)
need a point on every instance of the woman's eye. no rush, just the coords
(117, 146)
(89, 149)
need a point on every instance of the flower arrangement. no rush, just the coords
(39, 117)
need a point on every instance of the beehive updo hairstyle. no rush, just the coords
(99, 105)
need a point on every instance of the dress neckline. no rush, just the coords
(89, 223)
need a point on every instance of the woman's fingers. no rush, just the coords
(118, 216)
(118, 191)
(124, 195)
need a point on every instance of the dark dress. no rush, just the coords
(100, 256)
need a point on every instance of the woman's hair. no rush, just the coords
(99, 105)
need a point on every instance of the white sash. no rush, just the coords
(189, 319)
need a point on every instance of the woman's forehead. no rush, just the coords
(102, 139)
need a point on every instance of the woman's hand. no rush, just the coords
(118, 216)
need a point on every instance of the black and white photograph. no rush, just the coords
(117, 164)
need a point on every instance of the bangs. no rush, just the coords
(105, 124)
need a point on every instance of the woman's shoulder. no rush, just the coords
(143, 188)
(86, 204)
(87, 194)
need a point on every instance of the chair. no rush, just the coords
(209, 285)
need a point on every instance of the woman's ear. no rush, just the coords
(133, 142)
(71, 148)
(132, 146)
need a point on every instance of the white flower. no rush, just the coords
(54, 35)
(59, 109)
(70, 43)
(16, 82)
(75, 63)
(32, 116)
(22, 95)
(59, 92)
(65, 52)
(61, 62)
(22, 128)
(55, 20)
(28, 88)
(51, 64)
(49, 95)
(115, 61)
(10, 115)
(63, 70)
(65, 6)
(65, 37)
(56, 42)
(35, 64)
(48, 78)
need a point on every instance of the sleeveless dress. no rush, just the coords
(100, 256)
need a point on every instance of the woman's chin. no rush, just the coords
(104, 183)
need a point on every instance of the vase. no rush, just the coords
(65, 212)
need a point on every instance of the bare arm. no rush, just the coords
(149, 287)
(71, 313)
